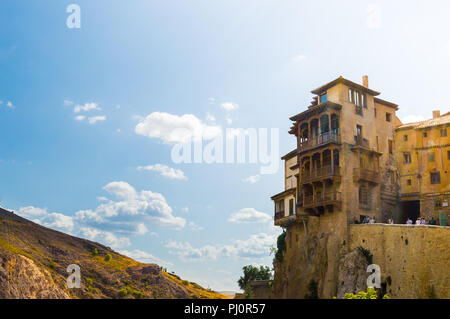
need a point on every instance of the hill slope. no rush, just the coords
(34, 259)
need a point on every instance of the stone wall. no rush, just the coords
(415, 260)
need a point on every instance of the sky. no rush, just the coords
(89, 116)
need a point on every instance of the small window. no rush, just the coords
(435, 178)
(375, 112)
(359, 131)
(391, 148)
(351, 96)
(363, 101)
(425, 134)
(407, 158)
(444, 132)
(405, 137)
(323, 98)
(388, 117)
(357, 98)
(408, 182)
(431, 157)
(291, 207)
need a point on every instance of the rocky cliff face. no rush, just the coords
(34, 261)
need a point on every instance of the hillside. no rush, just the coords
(34, 260)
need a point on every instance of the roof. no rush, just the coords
(314, 109)
(442, 120)
(349, 83)
(284, 193)
(386, 103)
(289, 155)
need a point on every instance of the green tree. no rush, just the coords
(254, 273)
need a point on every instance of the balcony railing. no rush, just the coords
(320, 199)
(360, 141)
(321, 139)
(365, 174)
(279, 215)
(319, 173)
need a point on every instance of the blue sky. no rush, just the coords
(71, 100)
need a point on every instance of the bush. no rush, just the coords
(371, 293)
(108, 257)
(51, 265)
(185, 282)
(281, 246)
(367, 254)
(123, 292)
(95, 251)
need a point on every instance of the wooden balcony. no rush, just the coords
(325, 199)
(319, 140)
(321, 173)
(363, 174)
(279, 215)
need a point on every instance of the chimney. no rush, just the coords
(436, 114)
(365, 81)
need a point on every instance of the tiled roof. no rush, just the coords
(444, 119)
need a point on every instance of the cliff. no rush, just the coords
(34, 260)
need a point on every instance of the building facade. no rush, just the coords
(354, 156)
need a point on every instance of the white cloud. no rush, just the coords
(9, 104)
(373, 20)
(210, 117)
(68, 103)
(58, 221)
(229, 121)
(86, 107)
(142, 207)
(411, 118)
(31, 211)
(194, 226)
(174, 129)
(145, 257)
(211, 100)
(256, 246)
(95, 119)
(249, 215)
(298, 58)
(105, 237)
(252, 179)
(80, 117)
(229, 106)
(165, 171)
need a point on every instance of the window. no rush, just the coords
(443, 132)
(323, 98)
(291, 207)
(431, 157)
(388, 117)
(425, 134)
(435, 178)
(279, 206)
(358, 132)
(407, 158)
(408, 182)
(405, 137)
(391, 148)
(351, 96)
(375, 112)
(363, 100)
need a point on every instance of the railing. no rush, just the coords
(279, 215)
(360, 141)
(321, 139)
(321, 172)
(321, 199)
(358, 110)
(366, 175)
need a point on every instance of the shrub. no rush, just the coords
(108, 257)
(185, 282)
(51, 264)
(281, 246)
(95, 251)
(367, 254)
(123, 292)
(371, 293)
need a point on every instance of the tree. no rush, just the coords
(254, 273)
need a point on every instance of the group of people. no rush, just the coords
(419, 221)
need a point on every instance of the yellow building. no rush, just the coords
(423, 156)
(344, 158)
(355, 159)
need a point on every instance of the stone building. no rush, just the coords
(423, 157)
(355, 159)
